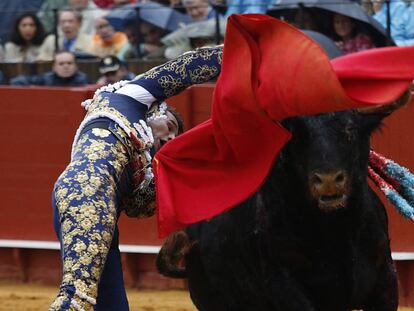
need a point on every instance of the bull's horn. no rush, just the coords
(387, 109)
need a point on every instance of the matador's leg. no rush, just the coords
(86, 203)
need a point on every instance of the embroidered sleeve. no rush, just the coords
(171, 78)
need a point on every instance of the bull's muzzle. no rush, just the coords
(329, 189)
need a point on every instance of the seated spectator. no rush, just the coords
(150, 47)
(107, 41)
(347, 36)
(198, 10)
(402, 20)
(72, 40)
(64, 73)
(10, 10)
(89, 11)
(113, 70)
(26, 37)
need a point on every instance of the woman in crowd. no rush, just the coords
(26, 37)
(347, 36)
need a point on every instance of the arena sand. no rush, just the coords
(31, 297)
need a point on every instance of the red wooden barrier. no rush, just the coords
(37, 127)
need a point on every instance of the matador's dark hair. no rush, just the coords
(178, 117)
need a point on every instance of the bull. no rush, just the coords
(314, 237)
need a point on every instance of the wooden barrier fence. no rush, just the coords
(90, 67)
(37, 127)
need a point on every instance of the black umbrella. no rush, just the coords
(151, 12)
(325, 8)
(330, 48)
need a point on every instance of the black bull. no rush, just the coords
(314, 237)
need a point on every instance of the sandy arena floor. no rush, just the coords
(18, 297)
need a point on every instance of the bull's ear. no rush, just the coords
(390, 108)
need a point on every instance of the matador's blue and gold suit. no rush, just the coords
(110, 172)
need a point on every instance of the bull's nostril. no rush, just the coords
(340, 178)
(316, 179)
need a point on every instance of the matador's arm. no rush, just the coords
(161, 82)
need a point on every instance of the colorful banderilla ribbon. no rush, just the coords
(395, 181)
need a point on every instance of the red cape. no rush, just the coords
(270, 71)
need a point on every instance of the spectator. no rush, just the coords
(198, 10)
(72, 40)
(26, 37)
(107, 41)
(402, 20)
(64, 73)
(10, 9)
(113, 70)
(46, 14)
(150, 47)
(347, 36)
(89, 11)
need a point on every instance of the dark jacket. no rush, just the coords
(51, 79)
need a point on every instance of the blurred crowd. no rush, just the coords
(115, 32)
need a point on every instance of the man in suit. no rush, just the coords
(70, 22)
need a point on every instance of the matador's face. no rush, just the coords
(164, 130)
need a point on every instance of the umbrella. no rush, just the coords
(326, 7)
(194, 30)
(179, 41)
(330, 48)
(151, 12)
